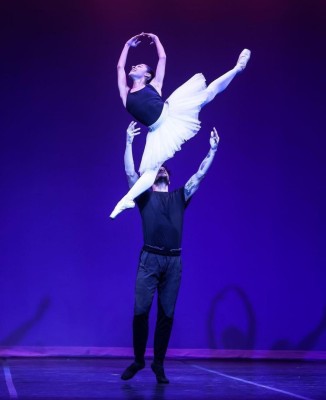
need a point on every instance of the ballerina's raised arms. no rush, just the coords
(140, 74)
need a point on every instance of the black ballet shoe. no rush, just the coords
(132, 370)
(159, 373)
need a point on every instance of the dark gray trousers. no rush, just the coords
(161, 273)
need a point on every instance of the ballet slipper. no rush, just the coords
(243, 59)
(123, 204)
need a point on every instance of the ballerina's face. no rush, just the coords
(138, 71)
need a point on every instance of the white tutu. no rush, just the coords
(178, 123)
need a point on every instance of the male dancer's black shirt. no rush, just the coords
(162, 220)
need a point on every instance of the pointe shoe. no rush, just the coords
(243, 59)
(122, 205)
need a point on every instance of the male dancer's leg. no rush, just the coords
(146, 284)
(168, 290)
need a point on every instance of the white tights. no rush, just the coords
(219, 85)
(145, 181)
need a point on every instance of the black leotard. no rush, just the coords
(145, 105)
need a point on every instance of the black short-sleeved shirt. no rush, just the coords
(162, 218)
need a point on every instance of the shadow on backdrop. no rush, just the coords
(308, 342)
(15, 337)
(233, 336)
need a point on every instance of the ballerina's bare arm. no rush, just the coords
(157, 82)
(193, 184)
(122, 79)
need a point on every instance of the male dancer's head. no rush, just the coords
(162, 180)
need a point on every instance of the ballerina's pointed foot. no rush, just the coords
(243, 59)
(122, 205)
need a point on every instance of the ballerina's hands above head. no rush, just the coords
(152, 37)
(134, 41)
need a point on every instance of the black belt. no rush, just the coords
(161, 250)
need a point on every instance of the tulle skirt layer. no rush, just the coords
(178, 123)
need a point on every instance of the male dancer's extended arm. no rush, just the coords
(132, 175)
(192, 185)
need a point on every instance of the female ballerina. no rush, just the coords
(170, 123)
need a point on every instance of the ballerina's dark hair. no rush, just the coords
(151, 72)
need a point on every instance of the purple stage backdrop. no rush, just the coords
(255, 232)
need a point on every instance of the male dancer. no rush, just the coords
(160, 259)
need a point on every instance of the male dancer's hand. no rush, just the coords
(132, 131)
(214, 139)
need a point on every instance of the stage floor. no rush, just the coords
(190, 379)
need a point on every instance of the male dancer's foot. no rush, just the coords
(124, 203)
(243, 60)
(159, 373)
(132, 370)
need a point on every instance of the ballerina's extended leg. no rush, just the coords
(144, 182)
(223, 81)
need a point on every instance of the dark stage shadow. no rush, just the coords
(132, 392)
(14, 338)
(308, 342)
(232, 337)
(149, 391)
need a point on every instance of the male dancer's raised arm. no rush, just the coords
(192, 185)
(132, 175)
